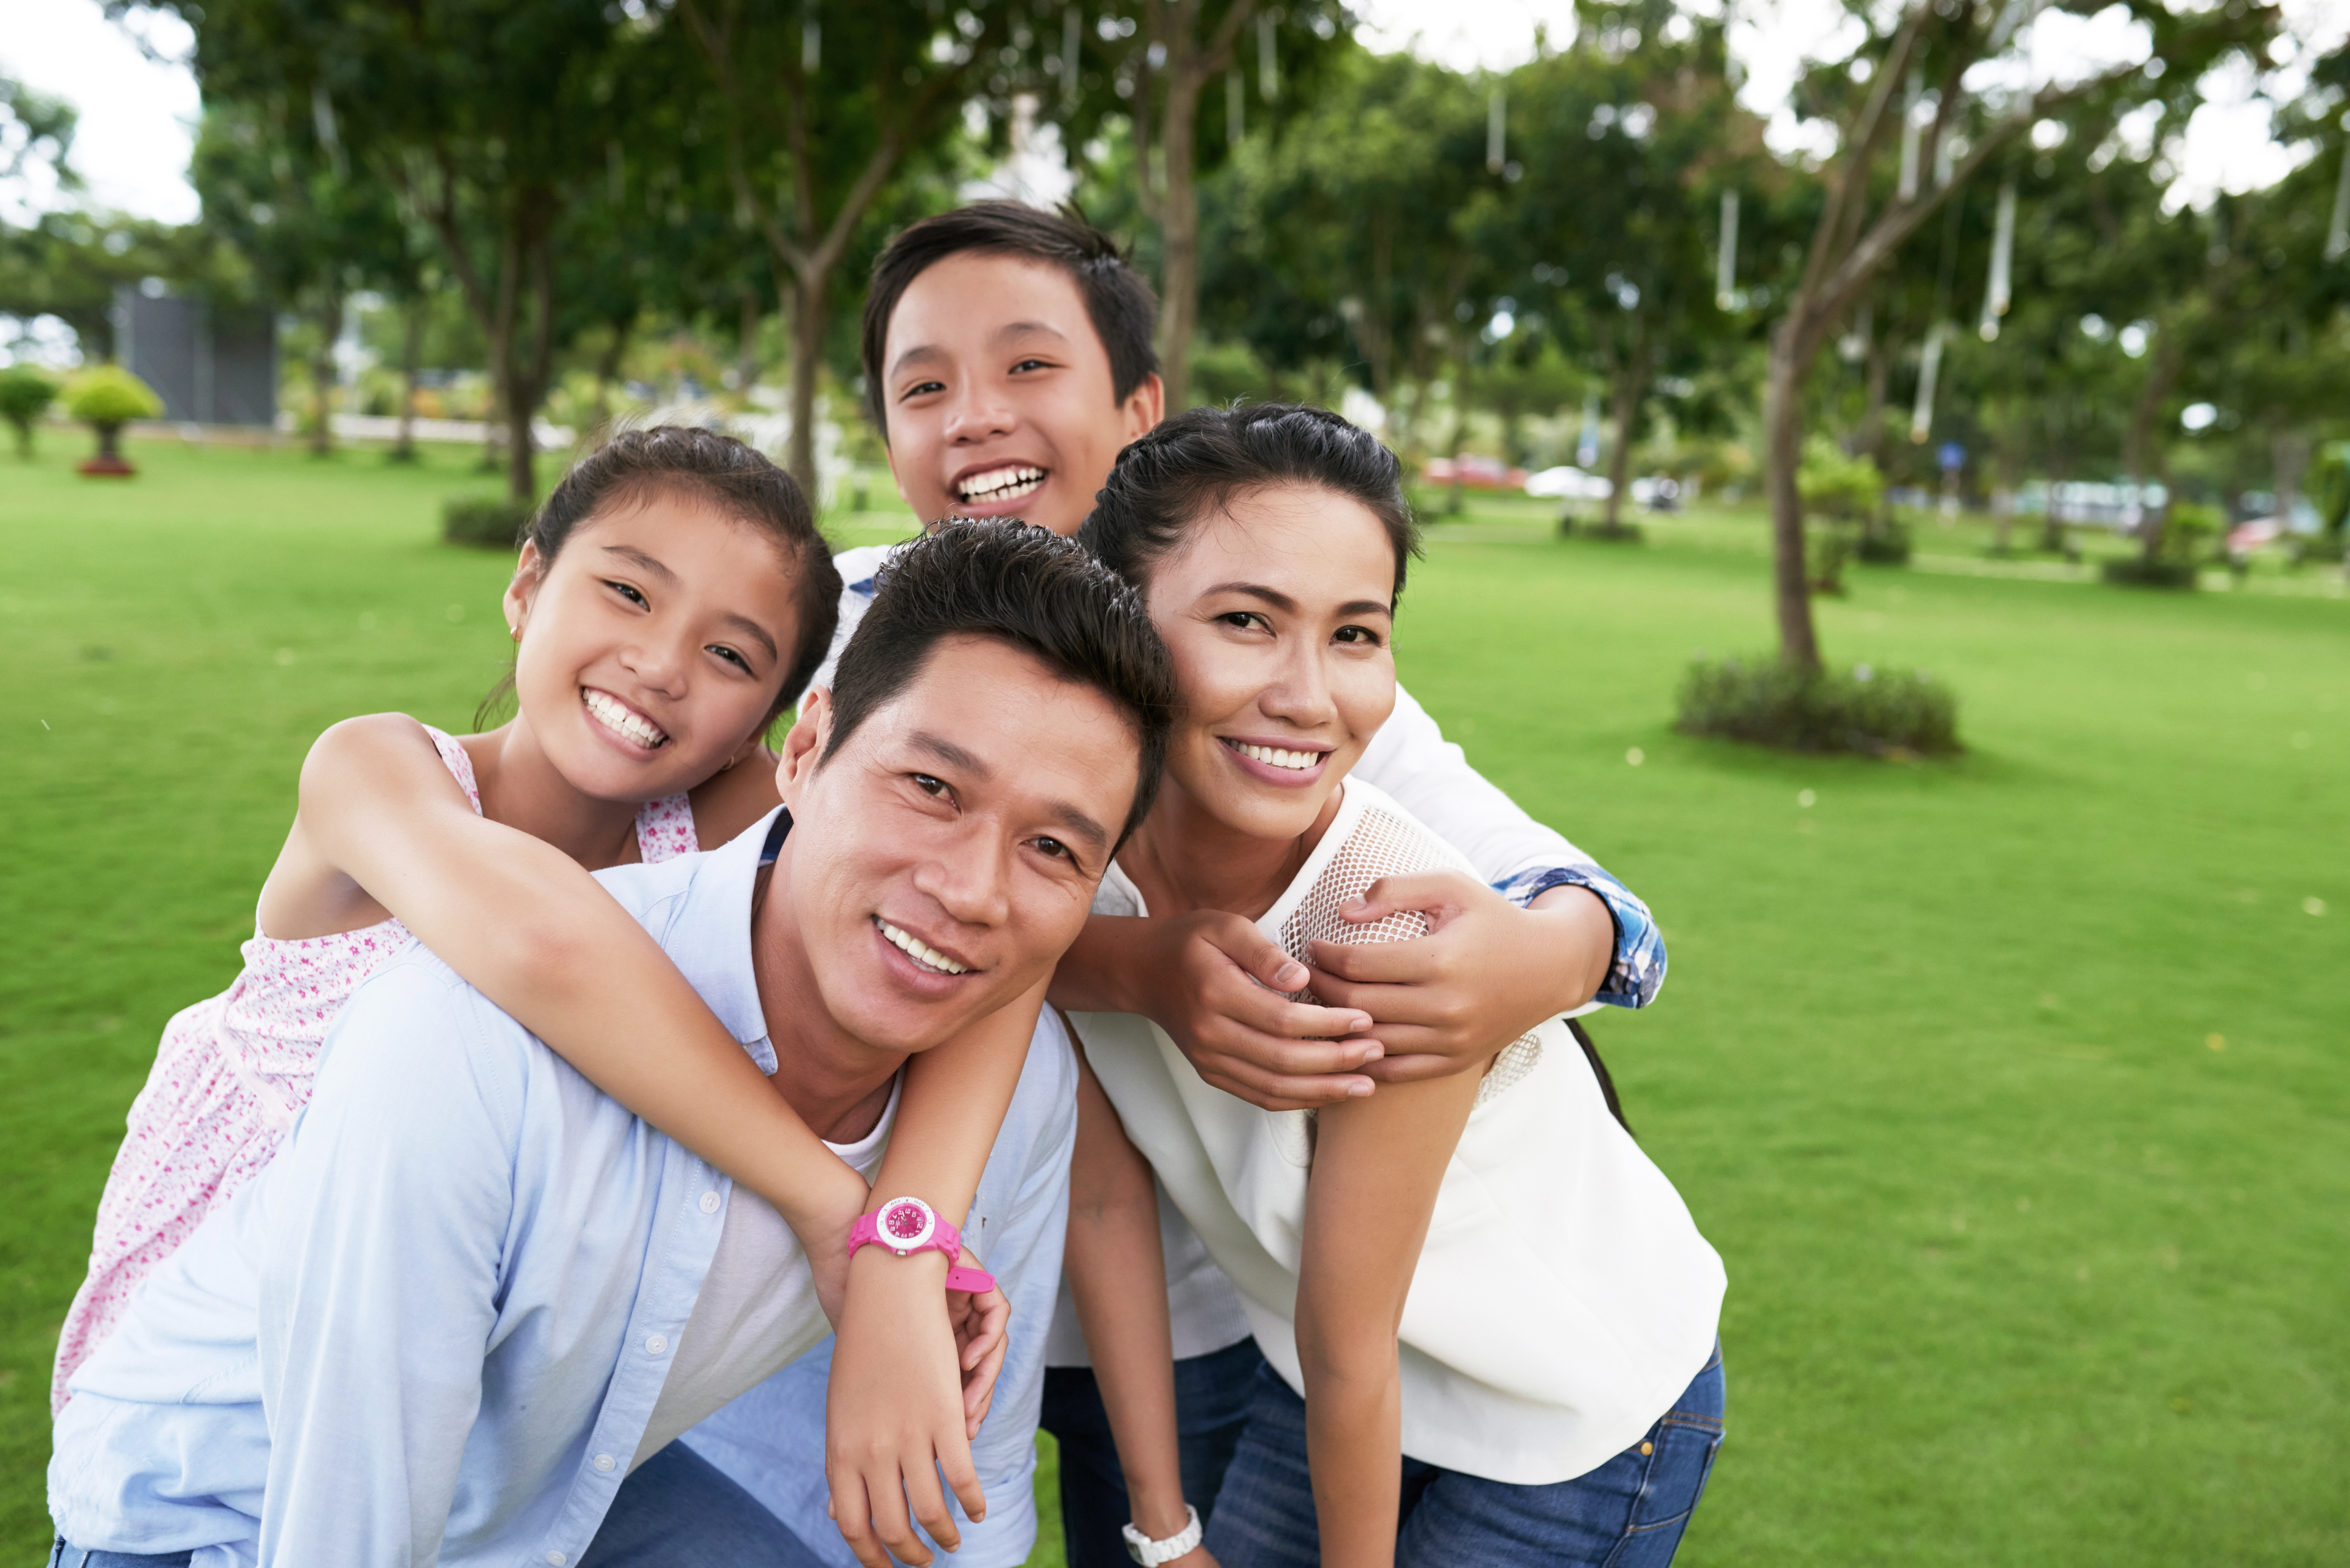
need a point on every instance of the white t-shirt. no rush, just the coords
(757, 1312)
(1564, 1297)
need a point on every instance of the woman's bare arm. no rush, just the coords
(1377, 1163)
(1118, 1278)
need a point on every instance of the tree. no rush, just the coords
(26, 393)
(1866, 217)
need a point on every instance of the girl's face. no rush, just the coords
(1277, 610)
(652, 646)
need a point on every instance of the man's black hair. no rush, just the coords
(1024, 587)
(1123, 309)
(1173, 478)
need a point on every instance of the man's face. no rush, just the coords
(943, 859)
(999, 395)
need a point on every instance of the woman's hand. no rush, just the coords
(978, 1318)
(1215, 983)
(1485, 973)
(897, 1413)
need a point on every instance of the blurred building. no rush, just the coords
(212, 365)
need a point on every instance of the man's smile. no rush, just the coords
(920, 951)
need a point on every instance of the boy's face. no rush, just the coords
(999, 394)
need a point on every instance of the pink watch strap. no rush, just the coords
(943, 1238)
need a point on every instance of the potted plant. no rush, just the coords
(106, 399)
(26, 393)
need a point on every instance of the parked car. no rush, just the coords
(1567, 483)
(1476, 472)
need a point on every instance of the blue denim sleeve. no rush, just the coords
(1638, 967)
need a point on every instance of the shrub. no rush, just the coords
(2189, 536)
(2137, 572)
(1835, 485)
(1613, 534)
(1826, 550)
(484, 522)
(26, 393)
(1885, 714)
(1888, 546)
(111, 396)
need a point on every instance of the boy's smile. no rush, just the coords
(1000, 395)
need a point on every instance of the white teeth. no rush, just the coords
(1272, 755)
(616, 717)
(1000, 483)
(920, 951)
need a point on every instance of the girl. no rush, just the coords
(672, 598)
(1490, 1317)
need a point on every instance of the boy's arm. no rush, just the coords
(390, 1210)
(540, 936)
(1525, 861)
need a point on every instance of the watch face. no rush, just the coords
(905, 1224)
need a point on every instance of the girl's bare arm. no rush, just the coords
(1118, 1278)
(383, 828)
(1377, 1163)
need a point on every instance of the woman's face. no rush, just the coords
(1277, 610)
(652, 646)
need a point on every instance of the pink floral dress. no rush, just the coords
(231, 1075)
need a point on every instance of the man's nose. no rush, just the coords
(970, 875)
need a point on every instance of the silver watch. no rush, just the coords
(1151, 1554)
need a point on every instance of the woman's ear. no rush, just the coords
(803, 745)
(530, 570)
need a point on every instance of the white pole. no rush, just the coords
(1725, 261)
(2337, 232)
(2002, 263)
(1907, 190)
(1921, 417)
(1496, 131)
(1268, 75)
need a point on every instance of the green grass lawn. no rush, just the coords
(2013, 1089)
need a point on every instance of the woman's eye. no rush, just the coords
(1358, 634)
(1242, 620)
(628, 593)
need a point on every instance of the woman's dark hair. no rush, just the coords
(1197, 461)
(1026, 586)
(634, 466)
(1118, 302)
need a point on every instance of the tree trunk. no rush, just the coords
(1456, 500)
(322, 376)
(2011, 475)
(1629, 386)
(746, 347)
(1179, 230)
(2289, 460)
(2142, 442)
(608, 370)
(1783, 435)
(808, 350)
(1378, 327)
(411, 350)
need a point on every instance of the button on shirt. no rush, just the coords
(438, 1327)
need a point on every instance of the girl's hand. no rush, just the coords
(1485, 973)
(979, 1322)
(1216, 984)
(897, 1413)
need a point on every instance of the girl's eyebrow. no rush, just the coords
(637, 557)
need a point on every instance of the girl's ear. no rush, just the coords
(529, 572)
(803, 745)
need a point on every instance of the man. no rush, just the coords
(1008, 358)
(472, 1294)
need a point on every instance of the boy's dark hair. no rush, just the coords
(1197, 461)
(1022, 585)
(635, 465)
(1123, 309)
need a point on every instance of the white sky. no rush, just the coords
(137, 116)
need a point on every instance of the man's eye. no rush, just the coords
(628, 593)
(1054, 847)
(929, 785)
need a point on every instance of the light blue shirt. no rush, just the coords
(434, 1329)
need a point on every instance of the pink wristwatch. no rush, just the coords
(906, 1225)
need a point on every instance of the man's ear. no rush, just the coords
(803, 745)
(529, 572)
(1144, 407)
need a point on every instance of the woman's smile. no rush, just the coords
(1286, 767)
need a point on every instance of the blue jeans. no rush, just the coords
(64, 1554)
(1628, 1514)
(677, 1510)
(1212, 1404)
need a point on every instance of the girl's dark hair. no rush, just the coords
(1117, 300)
(1197, 461)
(634, 466)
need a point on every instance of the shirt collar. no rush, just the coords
(709, 936)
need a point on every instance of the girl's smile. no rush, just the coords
(631, 729)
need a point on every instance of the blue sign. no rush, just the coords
(1954, 457)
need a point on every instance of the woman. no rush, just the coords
(1486, 1315)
